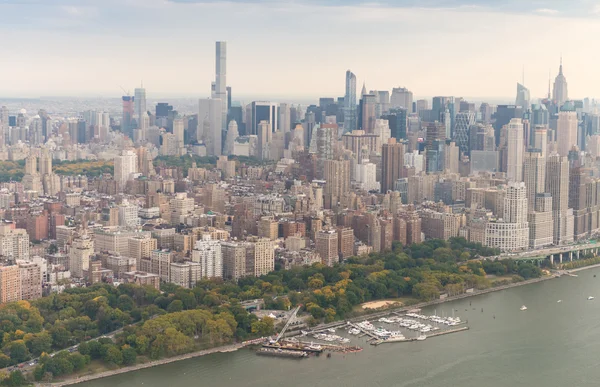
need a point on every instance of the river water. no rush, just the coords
(550, 344)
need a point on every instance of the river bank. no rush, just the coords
(235, 347)
(226, 348)
(584, 268)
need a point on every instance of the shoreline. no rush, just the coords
(235, 347)
(150, 364)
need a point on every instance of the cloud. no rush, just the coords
(547, 11)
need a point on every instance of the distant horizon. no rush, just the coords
(281, 50)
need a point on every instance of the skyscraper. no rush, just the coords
(557, 184)
(125, 165)
(523, 96)
(515, 150)
(560, 93)
(368, 103)
(392, 164)
(350, 103)
(397, 120)
(209, 125)
(566, 131)
(401, 98)
(127, 120)
(463, 123)
(178, 132)
(262, 111)
(140, 102)
(221, 80)
(285, 123)
(534, 175)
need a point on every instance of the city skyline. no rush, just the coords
(79, 40)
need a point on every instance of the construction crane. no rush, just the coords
(287, 324)
(127, 93)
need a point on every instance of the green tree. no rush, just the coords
(129, 356)
(16, 378)
(264, 327)
(175, 306)
(113, 356)
(78, 361)
(17, 350)
(39, 343)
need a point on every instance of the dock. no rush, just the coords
(334, 347)
(281, 353)
(365, 332)
(439, 333)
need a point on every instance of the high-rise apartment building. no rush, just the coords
(207, 252)
(260, 257)
(141, 247)
(392, 164)
(125, 166)
(557, 184)
(350, 116)
(221, 81)
(10, 284)
(515, 150)
(234, 260)
(534, 175)
(327, 246)
(14, 243)
(31, 280)
(337, 176)
(79, 255)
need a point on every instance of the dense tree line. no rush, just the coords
(152, 324)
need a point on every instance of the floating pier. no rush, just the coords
(282, 353)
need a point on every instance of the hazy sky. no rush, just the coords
(297, 48)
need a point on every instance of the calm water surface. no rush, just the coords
(550, 344)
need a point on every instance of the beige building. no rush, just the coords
(160, 263)
(142, 279)
(141, 246)
(79, 255)
(327, 247)
(541, 224)
(268, 228)
(234, 260)
(260, 257)
(185, 274)
(345, 242)
(10, 284)
(31, 280)
(440, 225)
(14, 243)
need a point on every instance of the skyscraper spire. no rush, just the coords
(560, 68)
(364, 90)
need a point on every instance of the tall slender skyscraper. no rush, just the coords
(178, 132)
(140, 103)
(515, 150)
(350, 103)
(560, 93)
(221, 80)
